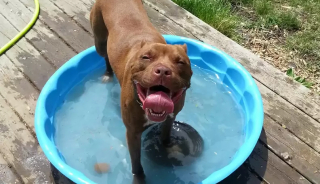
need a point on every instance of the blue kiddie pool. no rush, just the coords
(78, 123)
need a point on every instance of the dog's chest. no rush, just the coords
(148, 122)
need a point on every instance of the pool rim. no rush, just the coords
(76, 176)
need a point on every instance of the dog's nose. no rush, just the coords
(162, 71)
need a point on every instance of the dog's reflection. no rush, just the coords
(184, 147)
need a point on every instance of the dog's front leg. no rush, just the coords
(134, 144)
(138, 180)
(166, 130)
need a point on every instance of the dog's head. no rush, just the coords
(161, 74)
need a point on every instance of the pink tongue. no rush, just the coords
(159, 102)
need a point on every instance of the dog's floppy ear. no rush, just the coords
(184, 46)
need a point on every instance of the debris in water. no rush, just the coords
(102, 168)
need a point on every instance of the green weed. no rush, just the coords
(301, 80)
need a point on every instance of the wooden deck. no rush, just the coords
(289, 147)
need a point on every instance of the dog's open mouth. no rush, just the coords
(158, 101)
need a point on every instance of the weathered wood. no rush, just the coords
(25, 56)
(17, 90)
(296, 153)
(272, 169)
(88, 3)
(284, 113)
(164, 26)
(259, 69)
(20, 149)
(47, 43)
(78, 10)
(6, 174)
(63, 25)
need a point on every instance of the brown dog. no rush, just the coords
(153, 75)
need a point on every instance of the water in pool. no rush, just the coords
(89, 129)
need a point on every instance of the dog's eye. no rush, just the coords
(145, 57)
(181, 62)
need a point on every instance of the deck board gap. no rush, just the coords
(292, 133)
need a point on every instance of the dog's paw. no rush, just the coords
(106, 78)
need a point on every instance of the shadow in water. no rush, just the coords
(255, 165)
(246, 174)
(58, 177)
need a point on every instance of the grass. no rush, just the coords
(292, 26)
(217, 13)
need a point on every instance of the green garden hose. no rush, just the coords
(25, 30)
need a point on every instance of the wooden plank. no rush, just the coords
(284, 113)
(272, 169)
(265, 73)
(21, 149)
(47, 43)
(300, 156)
(62, 24)
(17, 90)
(77, 10)
(25, 57)
(164, 26)
(88, 3)
(6, 174)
